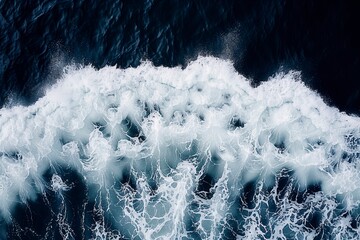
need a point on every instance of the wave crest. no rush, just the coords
(171, 153)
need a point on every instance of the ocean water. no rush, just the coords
(179, 120)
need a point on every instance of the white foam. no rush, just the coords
(204, 119)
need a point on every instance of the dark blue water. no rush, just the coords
(320, 38)
(38, 38)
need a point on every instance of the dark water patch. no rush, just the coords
(355, 218)
(279, 139)
(272, 205)
(350, 157)
(71, 200)
(153, 184)
(205, 186)
(352, 141)
(235, 221)
(324, 233)
(157, 109)
(149, 108)
(248, 194)
(232, 227)
(90, 219)
(300, 195)
(75, 200)
(307, 36)
(265, 218)
(40, 218)
(215, 160)
(280, 145)
(96, 216)
(213, 172)
(14, 155)
(31, 220)
(128, 178)
(236, 122)
(284, 182)
(201, 117)
(228, 234)
(354, 223)
(313, 221)
(313, 188)
(132, 129)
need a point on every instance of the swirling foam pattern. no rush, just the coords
(170, 153)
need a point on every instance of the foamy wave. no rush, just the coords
(167, 153)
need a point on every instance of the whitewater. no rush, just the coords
(179, 153)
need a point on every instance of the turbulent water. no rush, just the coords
(170, 153)
(150, 119)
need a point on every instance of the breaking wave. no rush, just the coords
(170, 153)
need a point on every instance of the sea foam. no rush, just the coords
(194, 153)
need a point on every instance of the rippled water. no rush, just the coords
(319, 38)
(167, 143)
